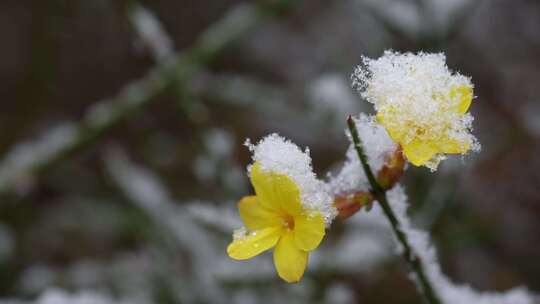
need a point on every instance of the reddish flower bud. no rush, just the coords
(392, 170)
(350, 204)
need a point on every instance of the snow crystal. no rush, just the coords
(276, 154)
(447, 290)
(240, 234)
(377, 146)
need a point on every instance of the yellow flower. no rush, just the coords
(423, 139)
(421, 103)
(275, 217)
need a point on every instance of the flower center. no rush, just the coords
(288, 222)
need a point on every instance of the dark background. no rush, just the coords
(289, 73)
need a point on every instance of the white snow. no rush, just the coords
(276, 154)
(419, 96)
(151, 32)
(57, 296)
(448, 291)
(377, 146)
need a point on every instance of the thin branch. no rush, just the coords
(408, 252)
(24, 163)
(145, 190)
(151, 32)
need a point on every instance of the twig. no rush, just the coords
(106, 114)
(408, 252)
(150, 31)
(145, 190)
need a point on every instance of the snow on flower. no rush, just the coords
(278, 155)
(421, 103)
(289, 211)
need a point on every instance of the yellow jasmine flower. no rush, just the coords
(420, 140)
(276, 217)
(421, 104)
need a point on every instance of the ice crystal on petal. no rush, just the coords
(240, 233)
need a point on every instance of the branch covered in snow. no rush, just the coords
(145, 191)
(378, 146)
(25, 161)
(417, 247)
(58, 296)
(449, 291)
(151, 32)
(424, 19)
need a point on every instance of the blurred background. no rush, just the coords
(122, 154)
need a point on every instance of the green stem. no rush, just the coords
(409, 255)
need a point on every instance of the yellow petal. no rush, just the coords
(419, 152)
(395, 133)
(288, 194)
(254, 243)
(308, 231)
(264, 188)
(452, 146)
(276, 191)
(255, 216)
(290, 261)
(465, 99)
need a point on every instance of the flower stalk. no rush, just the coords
(379, 194)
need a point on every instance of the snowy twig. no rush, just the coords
(104, 115)
(449, 291)
(408, 252)
(30, 158)
(59, 296)
(146, 191)
(151, 31)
